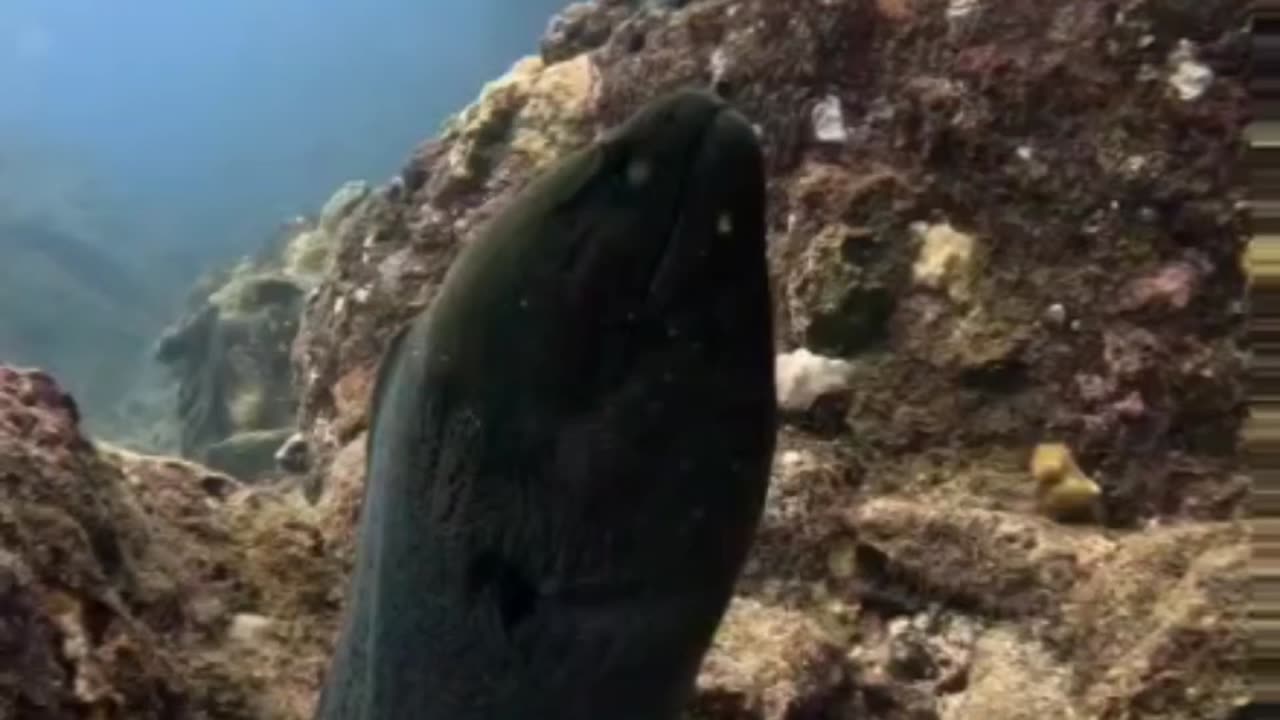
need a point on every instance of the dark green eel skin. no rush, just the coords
(569, 451)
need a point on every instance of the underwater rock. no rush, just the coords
(231, 361)
(1062, 488)
(836, 307)
(191, 350)
(847, 234)
(247, 455)
(293, 456)
(527, 118)
(1005, 144)
(341, 204)
(1190, 78)
(305, 250)
(767, 661)
(222, 563)
(828, 121)
(803, 377)
(103, 562)
(1172, 286)
(902, 568)
(580, 27)
(945, 261)
(1005, 665)
(230, 355)
(1078, 592)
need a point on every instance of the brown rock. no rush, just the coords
(769, 663)
(901, 570)
(121, 578)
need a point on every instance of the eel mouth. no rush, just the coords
(658, 208)
(718, 189)
(667, 255)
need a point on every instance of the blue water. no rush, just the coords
(204, 123)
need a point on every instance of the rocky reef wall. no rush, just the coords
(229, 354)
(1005, 243)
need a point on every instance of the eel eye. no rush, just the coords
(638, 170)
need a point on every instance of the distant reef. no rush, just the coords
(72, 305)
(230, 352)
(1006, 250)
(79, 295)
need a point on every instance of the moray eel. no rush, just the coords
(569, 450)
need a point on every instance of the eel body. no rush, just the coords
(569, 450)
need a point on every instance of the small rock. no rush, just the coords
(1005, 666)
(1172, 286)
(841, 560)
(1056, 315)
(828, 121)
(218, 486)
(247, 456)
(394, 189)
(248, 628)
(392, 269)
(1190, 77)
(719, 65)
(909, 657)
(960, 9)
(945, 260)
(206, 609)
(1062, 490)
(341, 203)
(803, 377)
(579, 27)
(294, 455)
(896, 10)
(1094, 388)
(1134, 165)
(793, 460)
(773, 660)
(1130, 352)
(1131, 406)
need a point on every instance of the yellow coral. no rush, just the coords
(535, 110)
(247, 408)
(946, 260)
(308, 254)
(1062, 490)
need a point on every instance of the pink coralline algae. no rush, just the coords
(1172, 286)
(32, 406)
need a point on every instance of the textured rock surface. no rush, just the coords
(127, 582)
(1010, 226)
(1002, 223)
(230, 354)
